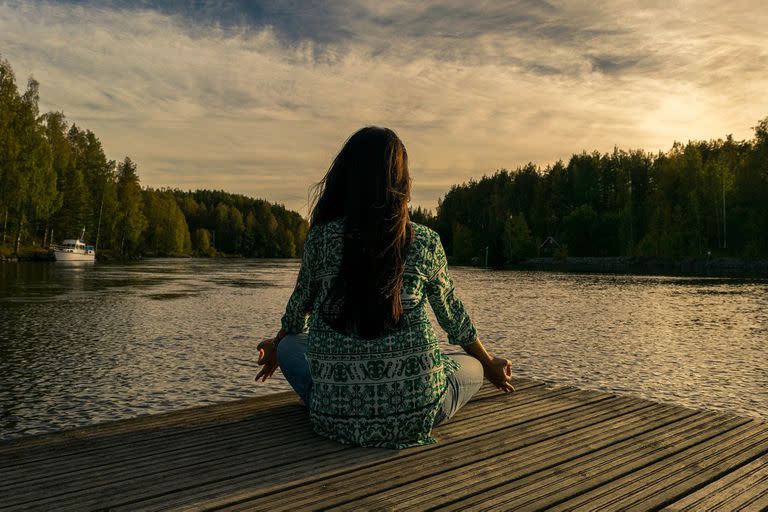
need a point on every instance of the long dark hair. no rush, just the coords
(368, 185)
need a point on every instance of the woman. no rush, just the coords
(356, 343)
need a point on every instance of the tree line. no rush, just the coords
(55, 181)
(700, 199)
(697, 199)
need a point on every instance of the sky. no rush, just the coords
(258, 97)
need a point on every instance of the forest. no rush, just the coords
(701, 199)
(55, 181)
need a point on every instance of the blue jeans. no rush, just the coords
(462, 384)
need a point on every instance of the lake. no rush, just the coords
(84, 344)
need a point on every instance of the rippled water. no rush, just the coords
(82, 344)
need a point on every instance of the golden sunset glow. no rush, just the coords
(257, 100)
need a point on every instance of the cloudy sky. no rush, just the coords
(257, 97)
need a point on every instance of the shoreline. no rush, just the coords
(703, 267)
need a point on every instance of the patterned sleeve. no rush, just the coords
(449, 310)
(296, 317)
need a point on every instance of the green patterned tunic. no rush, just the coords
(382, 392)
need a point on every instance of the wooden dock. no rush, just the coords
(544, 447)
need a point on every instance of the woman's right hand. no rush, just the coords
(267, 358)
(499, 372)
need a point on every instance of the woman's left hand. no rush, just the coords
(268, 358)
(499, 371)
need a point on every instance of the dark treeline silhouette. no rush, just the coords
(236, 224)
(55, 180)
(695, 200)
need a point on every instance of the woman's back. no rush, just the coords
(356, 342)
(383, 391)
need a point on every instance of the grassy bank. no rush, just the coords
(26, 253)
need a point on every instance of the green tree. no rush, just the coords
(518, 244)
(235, 230)
(167, 233)
(201, 242)
(580, 228)
(131, 221)
(27, 188)
(463, 246)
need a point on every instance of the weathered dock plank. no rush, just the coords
(544, 447)
(745, 488)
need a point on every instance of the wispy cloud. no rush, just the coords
(257, 97)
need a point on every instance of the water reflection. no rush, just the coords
(85, 344)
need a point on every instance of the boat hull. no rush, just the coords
(73, 256)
